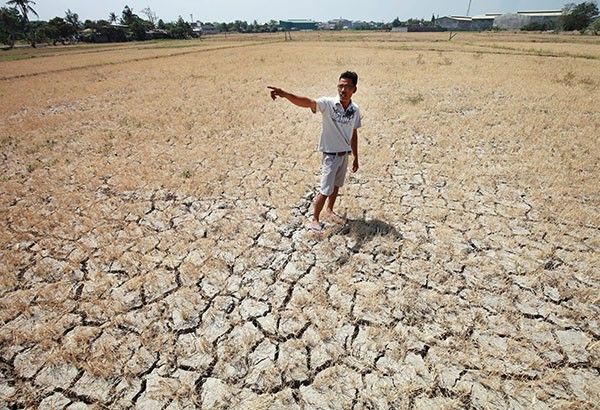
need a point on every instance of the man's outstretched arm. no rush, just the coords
(304, 102)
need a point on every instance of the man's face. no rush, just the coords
(346, 89)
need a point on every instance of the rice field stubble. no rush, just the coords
(152, 203)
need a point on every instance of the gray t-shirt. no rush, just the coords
(338, 124)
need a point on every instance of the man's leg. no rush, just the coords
(340, 175)
(327, 183)
(331, 199)
(319, 203)
(328, 212)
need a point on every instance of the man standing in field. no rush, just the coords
(339, 138)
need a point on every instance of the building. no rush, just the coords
(156, 34)
(340, 24)
(196, 28)
(359, 24)
(515, 21)
(454, 23)
(485, 22)
(297, 24)
(209, 28)
(509, 21)
(467, 23)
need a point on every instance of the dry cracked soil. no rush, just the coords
(136, 277)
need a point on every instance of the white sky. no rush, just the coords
(265, 10)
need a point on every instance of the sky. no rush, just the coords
(265, 10)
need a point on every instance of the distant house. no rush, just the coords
(156, 34)
(325, 26)
(454, 23)
(467, 23)
(484, 22)
(196, 28)
(297, 24)
(199, 28)
(515, 21)
(209, 28)
(509, 21)
(359, 24)
(341, 23)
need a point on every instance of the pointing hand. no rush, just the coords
(276, 92)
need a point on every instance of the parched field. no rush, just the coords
(153, 201)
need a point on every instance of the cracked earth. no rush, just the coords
(154, 255)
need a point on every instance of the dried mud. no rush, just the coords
(154, 251)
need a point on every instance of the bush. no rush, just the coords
(104, 33)
(594, 28)
(537, 27)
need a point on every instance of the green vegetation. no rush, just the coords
(15, 25)
(594, 28)
(24, 8)
(578, 16)
(10, 26)
(538, 27)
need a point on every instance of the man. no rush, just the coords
(339, 138)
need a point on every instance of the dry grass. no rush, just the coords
(147, 190)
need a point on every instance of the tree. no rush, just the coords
(10, 25)
(253, 27)
(127, 16)
(112, 17)
(24, 7)
(151, 15)
(160, 25)
(181, 29)
(396, 22)
(73, 19)
(138, 29)
(578, 16)
(240, 26)
(594, 28)
(273, 25)
(58, 29)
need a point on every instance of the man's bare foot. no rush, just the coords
(315, 226)
(331, 216)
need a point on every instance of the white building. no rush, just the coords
(515, 21)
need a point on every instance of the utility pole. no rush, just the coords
(469, 8)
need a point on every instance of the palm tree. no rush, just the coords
(24, 6)
(112, 17)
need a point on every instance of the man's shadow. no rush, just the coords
(363, 231)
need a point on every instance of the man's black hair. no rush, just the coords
(350, 75)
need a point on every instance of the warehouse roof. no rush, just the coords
(541, 13)
(298, 21)
(460, 18)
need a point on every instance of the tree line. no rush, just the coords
(15, 25)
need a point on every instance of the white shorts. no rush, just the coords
(333, 172)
